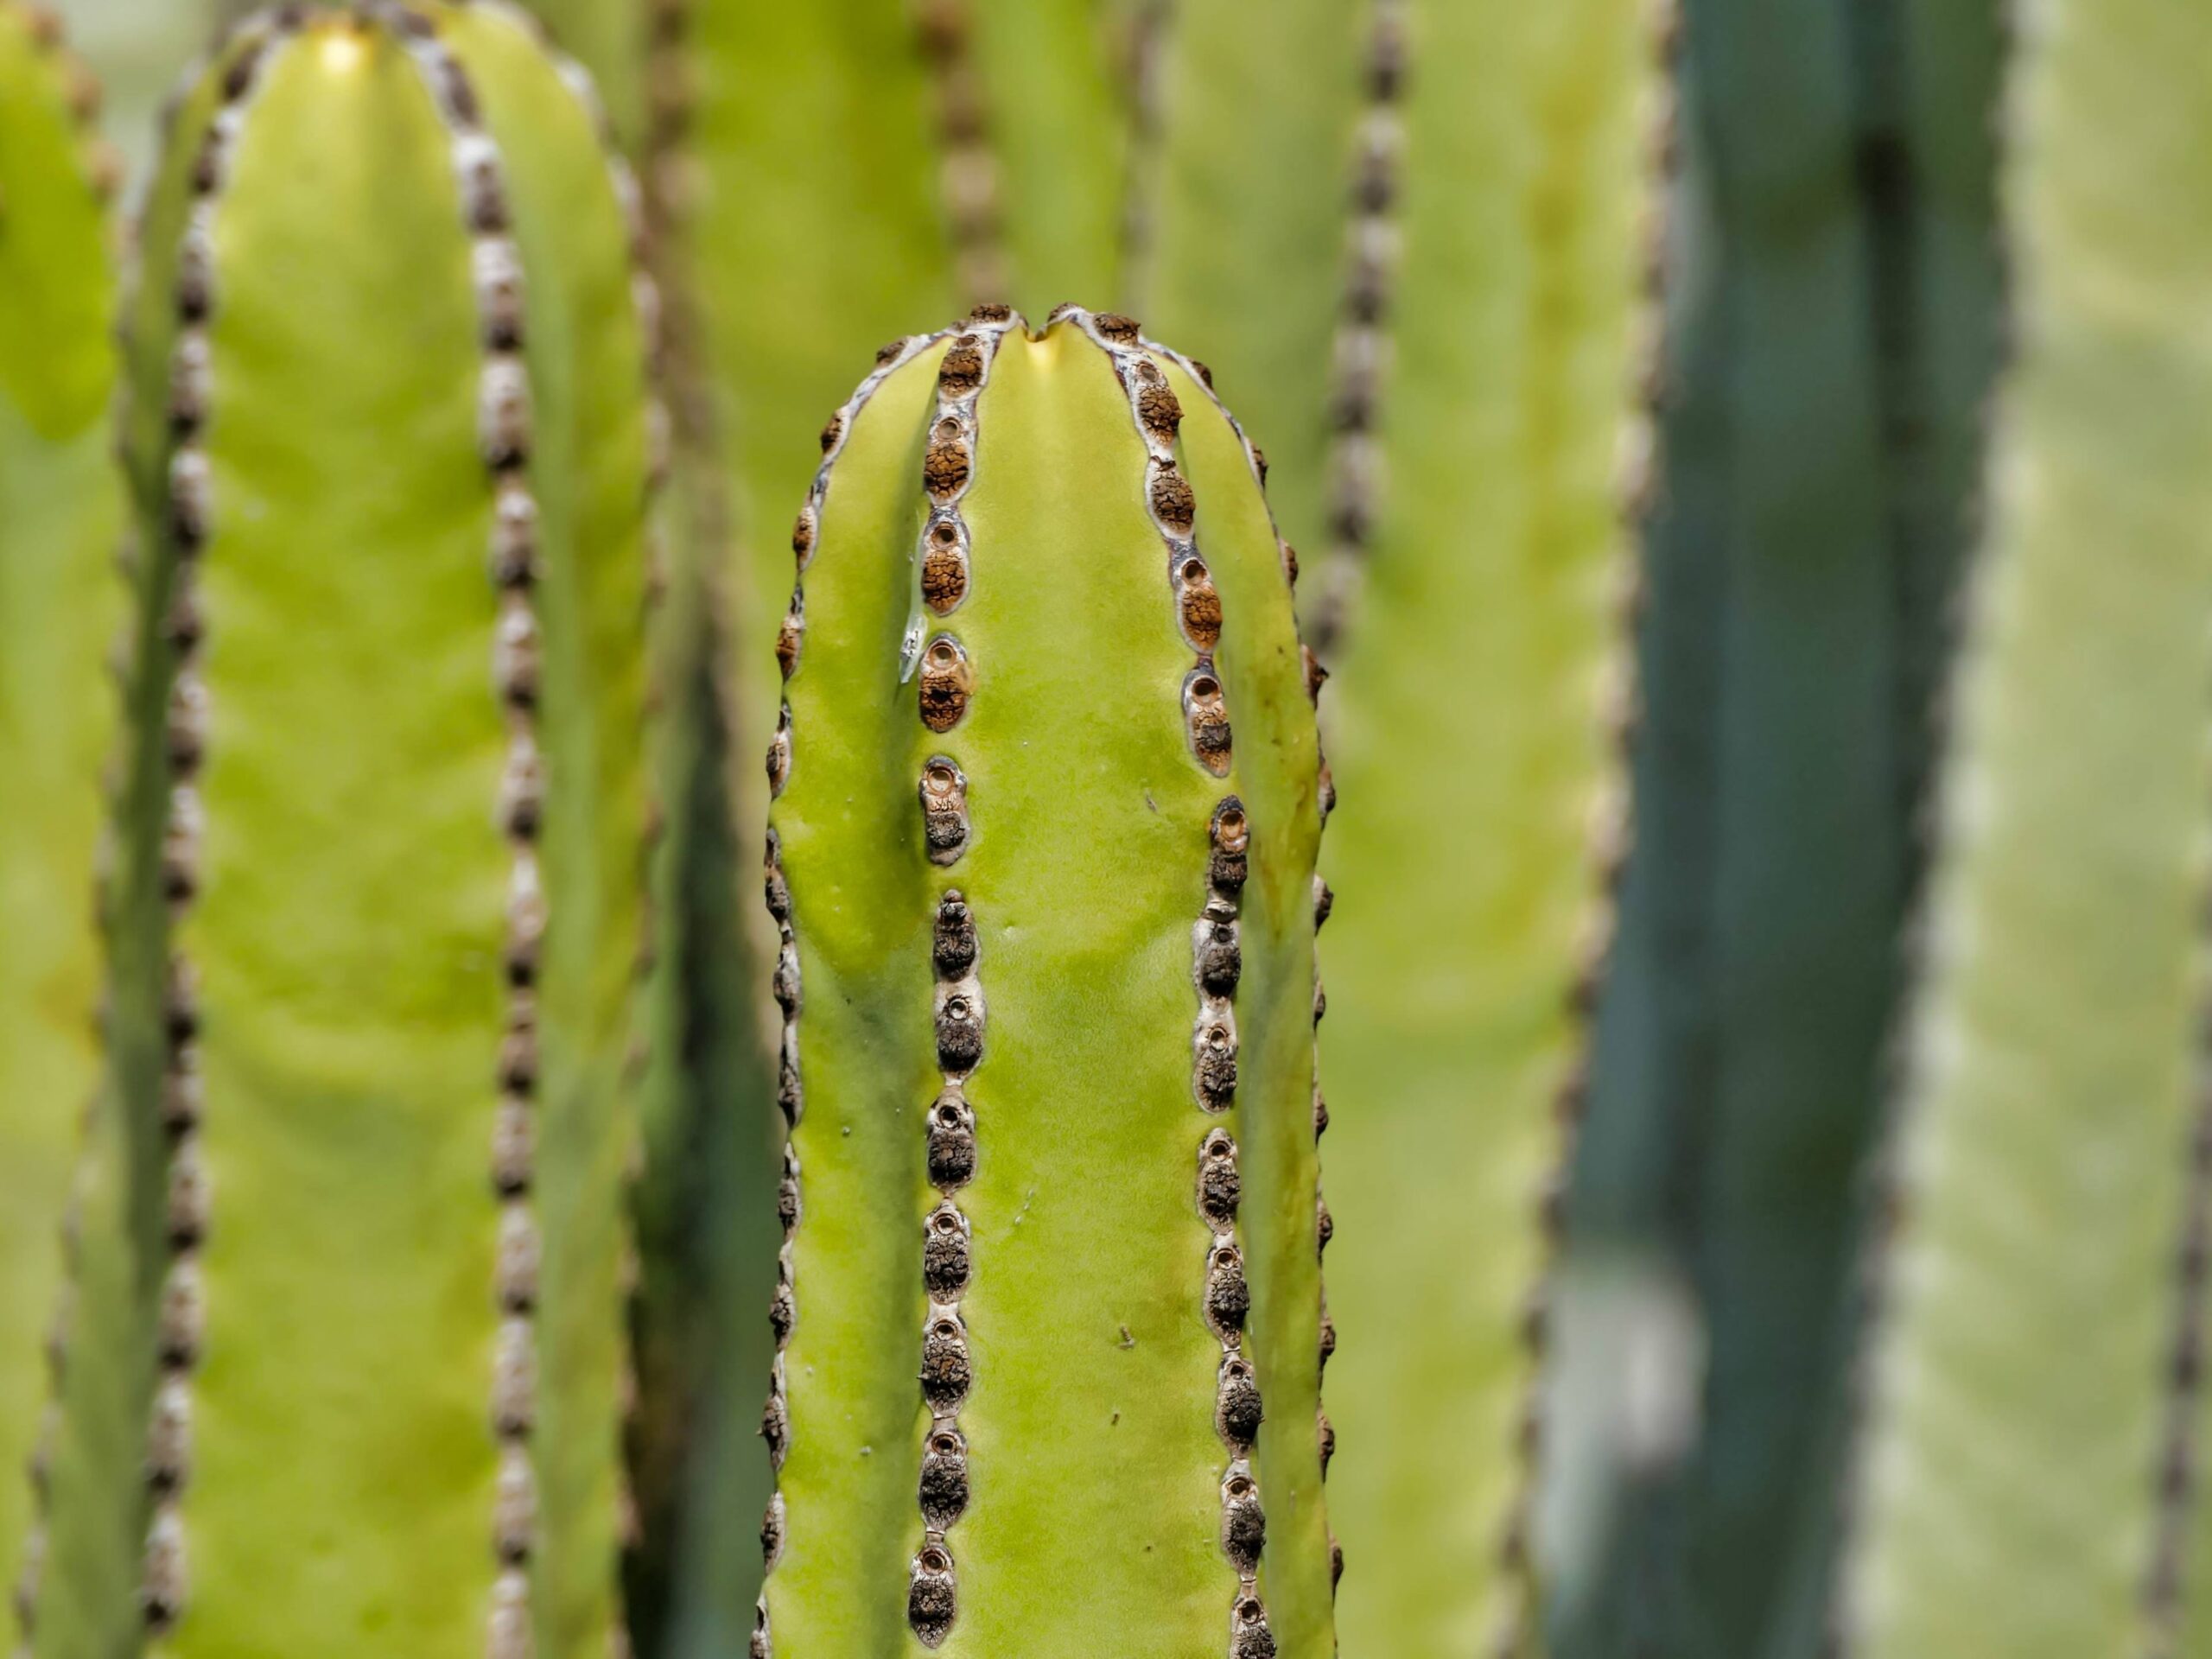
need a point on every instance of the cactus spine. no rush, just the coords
(381, 907)
(2028, 1482)
(1047, 971)
(61, 516)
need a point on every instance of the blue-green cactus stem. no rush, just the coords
(62, 517)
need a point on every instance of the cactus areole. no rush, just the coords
(1047, 799)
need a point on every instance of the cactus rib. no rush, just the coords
(1216, 963)
(505, 435)
(57, 180)
(967, 170)
(775, 1423)
(1324, 902)
(191, 510)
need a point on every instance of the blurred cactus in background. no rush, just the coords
(61, 516)
(2029, 1478)
(392, 1172)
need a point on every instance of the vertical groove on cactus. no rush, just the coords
(967, 170)
(776, 1417)
(63, 521)
(191, 510)
(1360, 359)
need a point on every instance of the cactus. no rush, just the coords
(1480, 829)
(381, 890)
(61, 516)
(1042, 861)
(1834, 320)
(2028, 1478)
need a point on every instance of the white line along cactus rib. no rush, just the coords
(182, 1320)
(785, 983)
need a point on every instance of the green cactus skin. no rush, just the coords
(62, 517)
(2044, 1303)
(1244, 251)
(1080, 1304)
(393, 996)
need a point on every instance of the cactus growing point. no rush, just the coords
(1041, 858)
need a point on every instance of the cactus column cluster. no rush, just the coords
(1047, 799)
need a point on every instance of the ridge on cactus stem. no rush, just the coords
(63, 1162)
(2029, 1475)
(380, 903)
(1040, 860)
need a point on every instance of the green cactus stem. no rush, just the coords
(383, 895)
(1496, 350)
(2028, 1480)
(62, 518)
(1048, 980)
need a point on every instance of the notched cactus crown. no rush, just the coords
(1046, 800)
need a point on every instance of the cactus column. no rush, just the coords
(1041, 858)
(383, 896)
